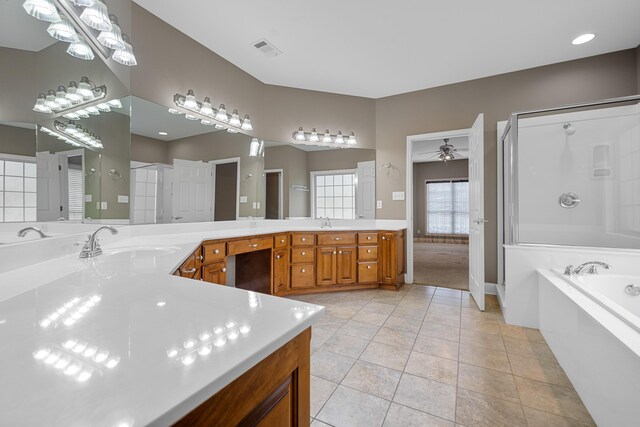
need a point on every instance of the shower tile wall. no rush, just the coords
(144, 196)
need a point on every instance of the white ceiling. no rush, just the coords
(379, 48)
(425, 151)
(18, 30)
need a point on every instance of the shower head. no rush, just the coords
(569, 129)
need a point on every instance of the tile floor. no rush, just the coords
(426, 356)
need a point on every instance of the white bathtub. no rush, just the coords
(593, 329)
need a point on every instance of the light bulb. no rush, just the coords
(190, 101)
(352, 139)
(104, 107)
(125, 56)
(314, 136)
(115, 103)
(299, 135)
(204, 350)
(85, 88)
(83, 3)
(327, 137)
(72, 93)
(97, 17)
(50, 101)
(63, 31)
(81, 50)
(112, 38)
(219, 126)
(84, 376)
(43, 10)
(207, 109)
(339, 138)
(40, 106)
(235, 119)
(221, 114)
(246, 123)
(61, 97)
(232, 130)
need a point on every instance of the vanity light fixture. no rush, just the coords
(312, 138)
(112, 38)
(44, 10)
(74, 96)
(63, 31)
(81, 50)
(209, 116)
(74, 135)
(97, 16)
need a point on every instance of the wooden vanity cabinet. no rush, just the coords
(280, 271)
(190, 267)
(326, 266)
(346, 265)
(392, 259)
(215, 273)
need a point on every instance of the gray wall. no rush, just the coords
(638, 68)
(17, 85)
(149, 150)
(432, 171)
(338, 159)
(18, 141)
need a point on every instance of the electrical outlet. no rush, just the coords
(379, 204)
(255, 205)
(88, 198)
(103, 206)
(123, 199)
(398, 195)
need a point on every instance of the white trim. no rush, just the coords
(312, 186)
(10, 157)
(280, 173)
(490, 288)
(213, 164)
(500, 126)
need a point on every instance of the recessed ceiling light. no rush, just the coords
(161, 304)
(163, 133)
(584, 38)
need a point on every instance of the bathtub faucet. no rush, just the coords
(593, 267)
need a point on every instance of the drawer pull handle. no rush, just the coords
(384, 238)
(224, 270)
(303, 271)
(278, 256)
(340, 252)
(217, 251)
(282, 241)
(189, 271)
(255, 245)
(304, 239)
(303, 253)
(201, 257)
(368, 237)
(368, 251)
(337, 238)
(334, 252)
(368, 267)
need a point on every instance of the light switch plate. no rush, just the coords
(103, 206)
(255, 205)
(258, 205)
(243, 199)
(379, 204)
(398, 195)
(88, 198)
(123, 199)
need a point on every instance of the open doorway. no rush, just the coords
(225, 194)
(273, 194)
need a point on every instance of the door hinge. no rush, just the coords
(60, 208)
(59, 168)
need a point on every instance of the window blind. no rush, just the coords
(76, 193)
(447, 207)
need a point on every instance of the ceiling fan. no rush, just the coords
(445, 153)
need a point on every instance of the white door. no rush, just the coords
(366, 190)
(476, 211)
(191, 191)
(48, 186)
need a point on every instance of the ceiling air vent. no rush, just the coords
(266, 47)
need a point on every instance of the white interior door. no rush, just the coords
(48, 186)
(366, 190)
(191, 191)
(476, 211)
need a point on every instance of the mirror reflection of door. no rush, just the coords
(226, 191)
(273, 194)
(60, 185)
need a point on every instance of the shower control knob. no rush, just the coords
(569, 200)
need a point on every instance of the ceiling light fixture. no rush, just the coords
(44, 10)
(112, 38)
(73, 96)
(63, 31)
(312, 138)
(209, 116)
(584, 38)
(163, 133)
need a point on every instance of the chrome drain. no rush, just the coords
(633, 290)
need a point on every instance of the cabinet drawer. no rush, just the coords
(189, 267)
(367, 238)
(281, 241)
(302, 255)
(302, 276)
(250, 245)
(368, 253)
(213, 252)
(367, 272)
(303, 239)
(336, 239)
(215, 273)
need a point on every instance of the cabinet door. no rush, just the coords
(215, 273)
(326, 266)
(367, 272)
(280, 271)
(302, 276)
(388, 258)
(346, 265)
(190, 267)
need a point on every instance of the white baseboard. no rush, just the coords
(491, 288)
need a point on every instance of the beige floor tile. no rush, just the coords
(413, 304)
(373, 379)
(410, 313)
(403, 416)
(449, 293)
(437, 347)
(370, 317)
(386, 355)
(432, 367)
(359, 329)
(403, 324)
(534, 350)
(521, 333)
(437, 330)
(427, 396)
(341, 312)
(318, 423)
(377, 307)
(484, 357)
(444, 310)
(486, 326)
(353, 408)
(321, 390)
(455, 302)
(475, 409)
(345, 345)
(330, 366)
(444, 320)
(469, 303)
(395, 338)
(330, 323)
(551, 398)
(547, 371)
(481, 339)
(537, 418)
(488, 381)
(389, 299)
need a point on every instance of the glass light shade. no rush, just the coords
(83, 3)
(83, 114)
(190, 101)
(254, 148)
(81, 50)
(97, 17)
(299, 135)
(190, 117)
(125, 56)
(327, 137)
(314, 136)
(63, 31)
(174, 111)
(40, 106)
(219, 126)
(72, 116)
(231, 130)
(43, 10)
(352, 139)
(61, 98)
(112, 38)
(221, 114)
(115, 103)
(72, 93)
(235, 119)
(246, 123)
(339, 138)
(104, 107)
(206, 108)
(85, 88)
(50, 101)
(93, 111)
(207, 122)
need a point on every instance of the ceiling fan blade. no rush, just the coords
(432, 156)
(429, 152)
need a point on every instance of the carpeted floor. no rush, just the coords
(441, 264)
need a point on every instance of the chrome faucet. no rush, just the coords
(593, 268)
(326, 222)
(24, 232)
(92, 247)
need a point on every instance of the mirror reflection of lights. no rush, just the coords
(253, 299)
(300, 313)
(207, 340)
(71, 312)
(77, 359)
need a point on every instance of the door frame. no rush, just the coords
(64, 179)
(280, 173)
(411, 139)
(213, 164)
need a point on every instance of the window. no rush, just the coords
(76, 192)
(448, 207)
(145, 195)
(334, 194)
(17, 191)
